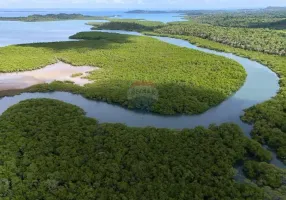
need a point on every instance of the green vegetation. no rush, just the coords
(53, 17)
(263, 40)
(266, 18)
(140, 21)
(269, 118)
(187, 81)
(127, 24)
(95, 24)
(268, 177)
(65, 155)
(265, 174)
(102, 37)
(50, 150)
(76, 75)
(229, 20)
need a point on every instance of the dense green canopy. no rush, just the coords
(263, 40)
(272, 18)
(128, 25)
(50, 150)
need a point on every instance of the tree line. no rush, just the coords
(53, 17)
(262, 40)
(266, 18)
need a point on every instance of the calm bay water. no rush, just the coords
(165, 17)
(29, 32)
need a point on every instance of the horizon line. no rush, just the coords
(148, 9)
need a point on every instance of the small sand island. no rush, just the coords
(56, 72)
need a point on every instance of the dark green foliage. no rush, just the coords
(52, 17)
(270, 121)
(111, 37)
(262, 40)
(273, 18)
(50, 150)
(277, 24)
(265, 174)
(242, 20)
(129, 25)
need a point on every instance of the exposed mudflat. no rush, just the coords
(56, 72)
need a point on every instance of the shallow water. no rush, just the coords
(56, 72)
(30, 32)
(13, 32)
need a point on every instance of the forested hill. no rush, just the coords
(275, 8)
(263, 40)
(272, 17)
(53, 17)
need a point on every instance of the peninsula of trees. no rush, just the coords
(53, 17)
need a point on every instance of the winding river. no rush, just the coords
(261, 84)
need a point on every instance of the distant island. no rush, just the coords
(202, 12)
(274, 8)
(54, 17)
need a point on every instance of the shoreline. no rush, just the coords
(59, 71)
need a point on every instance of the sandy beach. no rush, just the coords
(56, 72)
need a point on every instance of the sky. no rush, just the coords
(141, 4)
